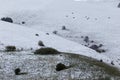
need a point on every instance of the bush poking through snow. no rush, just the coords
(46, 51)
(97, 48)
(63, 28)
(101, 60)
(10, 48)
(60, 67)
(23, 22)
(94, 47)
(112, 63)
(36, 34)
(47, 33)
(40, 43)
(7, 19)
(86, 39)
(119, 5)
(17, 71)
(55, 32)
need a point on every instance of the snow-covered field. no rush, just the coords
(97, 19)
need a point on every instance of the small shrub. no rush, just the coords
(23, 22)
(94, 47)
(40, 43)
(100, 50)
(36, 34)
(119, 5)
(10, 48)
(60, 67)
(7, 19)
(73, 17)
(100, 45)
(101, 60)
(86, 39)
(63, 28)
(47, 33)
(55, 32)
(112, 63)
(17, 71)
(92, 41)
(105, 78)
(46, 51)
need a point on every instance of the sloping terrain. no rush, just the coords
(39, 20)
(96, 19)
(43, 67)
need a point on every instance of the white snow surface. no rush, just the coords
(43, 16)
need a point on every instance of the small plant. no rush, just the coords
(86, 39)
(119, 5)
(17, 71)
(47, 33)
(7, 19)
(97, 48)
(101, 60)
(112, 63)
(63, 28)
(40, 43)
(10, 48)
(36, 34)
(23, 22)
(94, 47)
(60, 67)
(46, 51)
(55, 32)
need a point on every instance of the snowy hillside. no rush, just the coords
(96, 19)
(23, 37)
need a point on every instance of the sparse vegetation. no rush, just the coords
(7, 19)
(63, 27)
(46, 51)
(40, 43)
(36, 34)
(60, 67)
(23, 22)
(10, 48)
(55, 32)
(118, 5)
(17, 71)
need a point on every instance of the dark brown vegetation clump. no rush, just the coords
(10, 48)
(46, 51)
(7, 19)
(60, 67)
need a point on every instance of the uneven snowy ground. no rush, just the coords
(42, 67)
(99, 20)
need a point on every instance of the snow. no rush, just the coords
(24, 37)
(46, 16)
